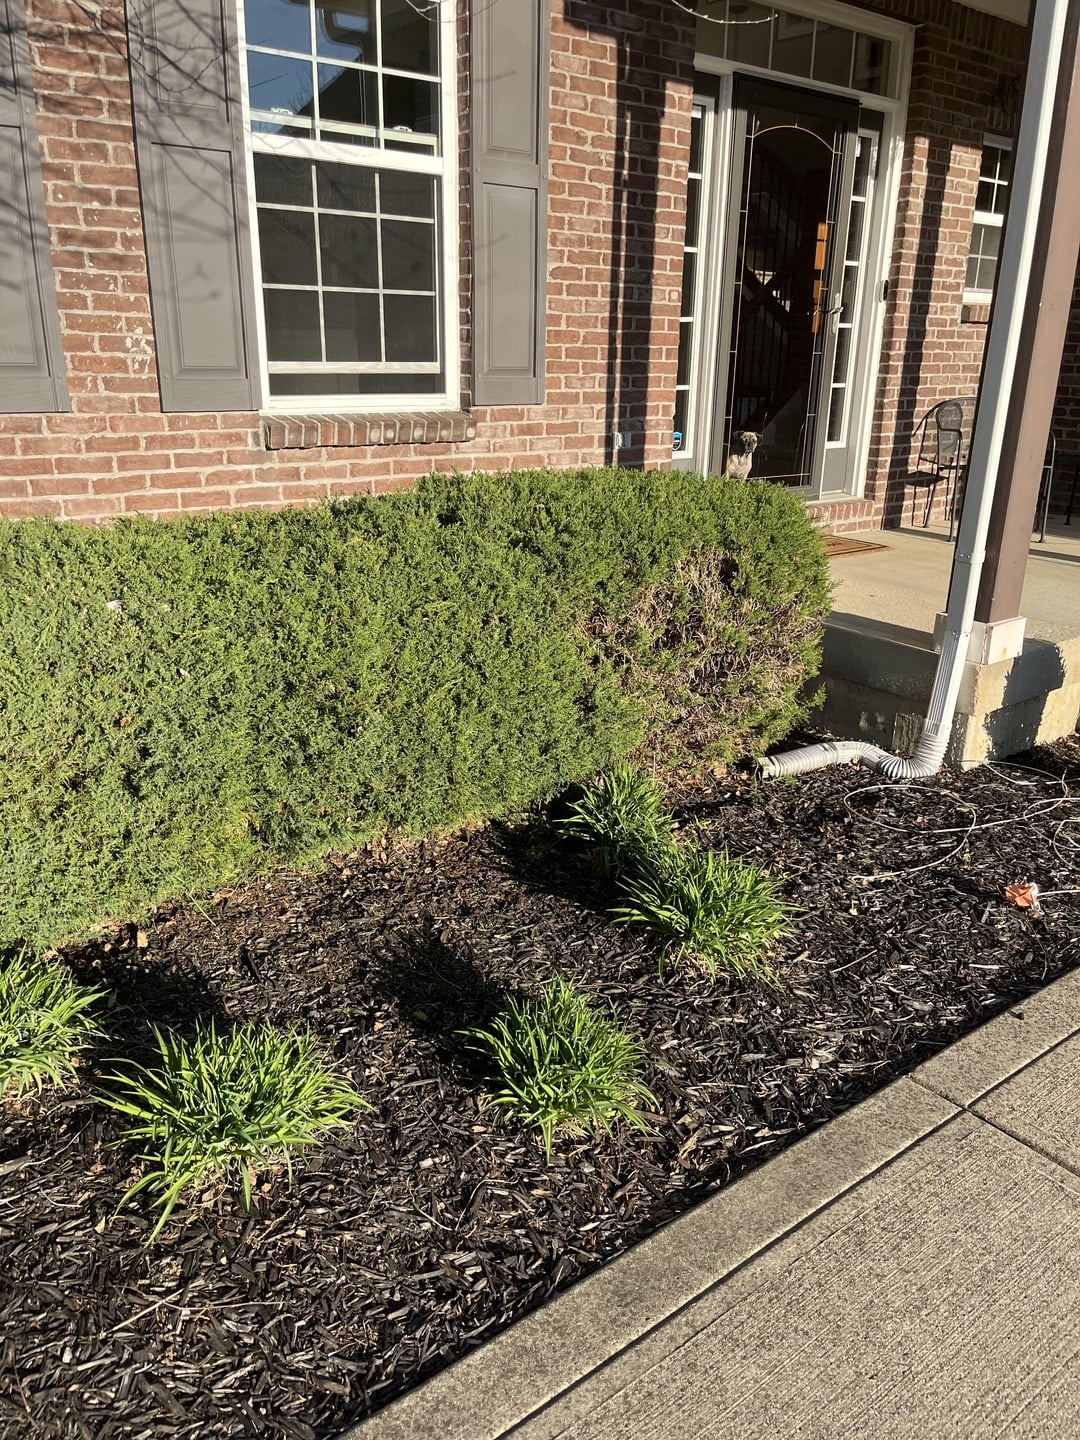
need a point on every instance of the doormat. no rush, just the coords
(848, 545)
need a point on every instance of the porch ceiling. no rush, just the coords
(1014, 10)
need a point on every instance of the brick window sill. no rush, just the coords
(974, 314)
(312, 432)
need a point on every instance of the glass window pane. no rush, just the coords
(793, 43)
(410, 36)
(843, 348)
(685, 335)
(347, 97)
(410, 327)
(292, 325)
(280, 85)
(989, 240)
(749, 34)
(871, 71)
(697, 137)
(281, 180)
(693, 195)
(710, 35)
(408, 249)
(678, 438)
(345, 30)
(404, 194)
(352, 327)
(854, 234)
(327, 383)
(411, 105)
(836, 413)
(833, 48)
(688, 276)
(278, 24)
(346, 187)
(349, 254)
(971, 277)
(863, 160)
(287, 247)
(301, 130)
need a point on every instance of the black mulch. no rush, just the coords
(429, 1228)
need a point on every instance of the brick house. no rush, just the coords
(257, 252)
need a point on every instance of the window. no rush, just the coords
(990, 202)
(792, 44)
(349, 117)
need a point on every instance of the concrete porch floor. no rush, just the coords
(907, 584)
(879, 662)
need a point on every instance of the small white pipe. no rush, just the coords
(995, 391)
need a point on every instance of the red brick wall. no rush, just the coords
(621, 76)
(117, 453)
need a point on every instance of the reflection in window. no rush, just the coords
(346, 72)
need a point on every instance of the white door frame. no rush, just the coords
(893, 111)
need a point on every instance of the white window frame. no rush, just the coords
(987, 218)
(447, 260)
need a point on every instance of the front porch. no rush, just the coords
(879, 657)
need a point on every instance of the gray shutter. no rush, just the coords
(31, 355)
(509, 101)
(185, 81)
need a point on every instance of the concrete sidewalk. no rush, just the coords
(911, 1269)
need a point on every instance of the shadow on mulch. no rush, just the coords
(547, 864)
(140, 998)
(439, 990)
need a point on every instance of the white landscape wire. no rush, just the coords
(1034, 812)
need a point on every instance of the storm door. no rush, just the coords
(792, 172)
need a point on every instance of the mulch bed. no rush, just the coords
(431, 1227)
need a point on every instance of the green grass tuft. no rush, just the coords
(222, 1107)
(565, 1066)
(620, 815)
(713, 911)
(43, 1023)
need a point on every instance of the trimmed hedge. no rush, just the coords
(189, 700)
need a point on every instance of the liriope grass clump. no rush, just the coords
(220, 1108)
(44, 1023)
(620, 816)
(565, 1067)
(712, 911)
(706, 908)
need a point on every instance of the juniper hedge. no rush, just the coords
(185, 701)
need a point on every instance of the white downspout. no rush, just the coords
(1021, 225)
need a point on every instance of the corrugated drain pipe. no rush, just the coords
(1040, 88)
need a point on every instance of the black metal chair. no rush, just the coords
(943, 436)
(1042, 504)
(1046, 485)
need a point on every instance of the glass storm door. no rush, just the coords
(783, 291)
